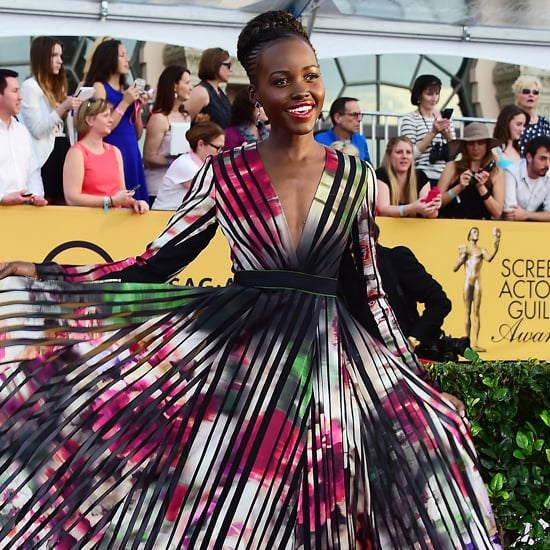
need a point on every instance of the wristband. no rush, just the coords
(486, 196)
(119, 111)
(105, 204)
(452, 194)
(111, 202)
(402, 210)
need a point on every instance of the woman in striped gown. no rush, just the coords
(136, 414)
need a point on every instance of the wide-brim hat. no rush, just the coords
(475, 131)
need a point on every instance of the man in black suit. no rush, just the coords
(407, 284)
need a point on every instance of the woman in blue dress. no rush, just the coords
(108, 70)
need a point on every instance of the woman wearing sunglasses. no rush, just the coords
(527, 89)
(93, 173)
(206, 139)
(207, 97)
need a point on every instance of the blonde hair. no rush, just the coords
(526, 81)
(345, 147)
(90, 107)
(411, 191)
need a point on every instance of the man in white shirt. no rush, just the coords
(20, 180)
(527, 195)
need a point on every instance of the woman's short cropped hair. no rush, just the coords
(207, 131)
(90, 107)
(210, 63)
(423, 82)
(526, 81)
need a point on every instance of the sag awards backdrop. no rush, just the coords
(497, 274)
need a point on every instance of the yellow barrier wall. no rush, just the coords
(514, 287)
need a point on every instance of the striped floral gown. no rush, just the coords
(135, 414)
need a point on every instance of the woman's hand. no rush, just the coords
(130, 95)
(123, 198)
(481, 180)
(441, 126)
(19, 269)
(464, 181)
(426, 209)
(456, 402)
(71, 103)
(140, 206)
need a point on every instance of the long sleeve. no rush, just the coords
(39, 122)
(384, 317)
(377, 301)
(187, 233)
(418, 286)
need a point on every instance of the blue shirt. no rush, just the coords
(329, 137)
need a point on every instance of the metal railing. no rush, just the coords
(379, 126)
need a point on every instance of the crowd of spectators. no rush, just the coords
(425, 171)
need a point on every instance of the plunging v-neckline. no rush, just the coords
(274, 196)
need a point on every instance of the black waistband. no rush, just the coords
(287, 280)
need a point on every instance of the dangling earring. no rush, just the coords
(175, 95)
(258, 106)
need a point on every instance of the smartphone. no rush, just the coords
(433, 193)
(86, 92)
(447, 113)
(27, 194)
(135, 188)
(491, 166)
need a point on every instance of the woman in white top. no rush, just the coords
(44, 109)
(173, 88)
(205, 139)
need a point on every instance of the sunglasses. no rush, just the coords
(227, 64)
(217, 147)
(93, 101)
(527, 91)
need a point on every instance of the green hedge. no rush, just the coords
(508, 405)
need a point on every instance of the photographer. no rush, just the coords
(472, 187)
(406, 284)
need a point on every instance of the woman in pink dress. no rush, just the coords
(93, 173)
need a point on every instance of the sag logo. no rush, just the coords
(69, 245)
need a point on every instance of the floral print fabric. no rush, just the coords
(144, 415)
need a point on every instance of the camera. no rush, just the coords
(140, 84)
(439, 152)
(444, 349)
(450, 348)
(487, 168)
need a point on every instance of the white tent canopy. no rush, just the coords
(499, 30)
